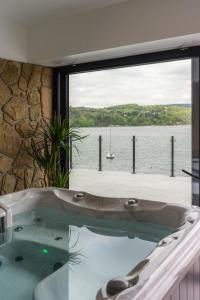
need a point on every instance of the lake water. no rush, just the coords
(152, 149)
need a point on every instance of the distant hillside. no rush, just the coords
(130, 115)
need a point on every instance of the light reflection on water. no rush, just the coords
(89, 255)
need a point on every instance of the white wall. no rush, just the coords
(133, 22)
(13, 41)
(134, 26)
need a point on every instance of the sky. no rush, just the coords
(160, 83)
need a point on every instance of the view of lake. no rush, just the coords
(152, 149)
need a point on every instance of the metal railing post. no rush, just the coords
(100, 153)
(70, 153)
(172, 156)
(133, 166)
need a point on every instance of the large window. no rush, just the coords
(141, 118)
(138, 119)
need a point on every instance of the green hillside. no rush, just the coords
(130, 115)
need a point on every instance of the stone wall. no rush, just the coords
(25, 98)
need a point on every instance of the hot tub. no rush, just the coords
(59, 244)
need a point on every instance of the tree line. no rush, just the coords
(130, 115)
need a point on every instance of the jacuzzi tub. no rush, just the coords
(61, 244)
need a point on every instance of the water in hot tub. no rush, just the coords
(86, 253)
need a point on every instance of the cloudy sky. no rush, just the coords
(161, 83)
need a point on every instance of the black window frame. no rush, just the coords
(61, 93)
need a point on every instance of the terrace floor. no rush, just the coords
(122, 184)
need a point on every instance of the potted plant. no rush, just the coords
(51, 144)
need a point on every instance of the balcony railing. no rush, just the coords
(136, 154)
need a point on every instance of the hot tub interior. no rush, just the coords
(60, 246)
(92, 252)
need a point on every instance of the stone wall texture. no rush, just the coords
(25, 99)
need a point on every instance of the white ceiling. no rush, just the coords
(29, 12)
(182, 42)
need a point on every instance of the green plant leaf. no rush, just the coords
(52, 142)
